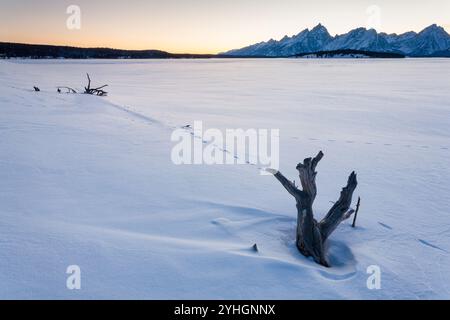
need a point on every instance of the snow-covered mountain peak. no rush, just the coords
(434, 30)
(301, 33)
(319, 28)
(430, 41)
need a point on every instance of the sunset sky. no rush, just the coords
(203, 26)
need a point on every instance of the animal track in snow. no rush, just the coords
(372, 143)
(385, 225)
(426, 243)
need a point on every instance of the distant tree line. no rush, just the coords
(18, 50)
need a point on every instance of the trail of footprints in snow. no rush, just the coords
(424, 147)
(382, 144)
(421, 241)
(218, 147)
(190, 130)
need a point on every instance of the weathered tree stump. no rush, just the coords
(311, 234)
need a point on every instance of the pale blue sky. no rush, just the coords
(208, 26)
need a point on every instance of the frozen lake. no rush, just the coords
(402, 101)
(89, 180)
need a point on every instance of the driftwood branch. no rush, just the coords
(87, 90)
(68, 89)
(307, 172)
(312, 235)
(95, 91)
(356, 212)
(339, 212)
(289, 186)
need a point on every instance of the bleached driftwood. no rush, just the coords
(311, 234)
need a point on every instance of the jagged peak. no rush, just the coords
(320, 30)
(358, 30)
(319, 27)
(301, 33)
(433, 28)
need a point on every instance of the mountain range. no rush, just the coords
(433, 41)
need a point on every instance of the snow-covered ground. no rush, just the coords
(89, 181)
